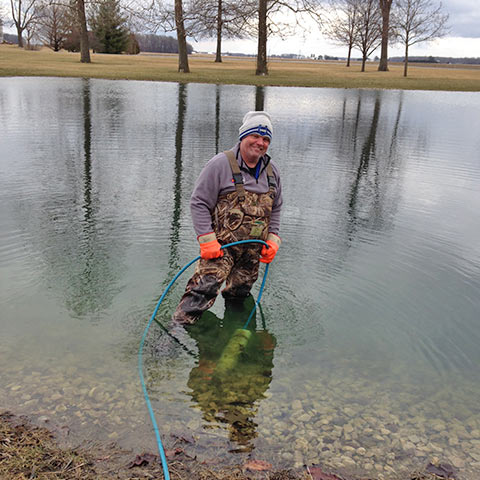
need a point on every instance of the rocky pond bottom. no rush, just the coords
(321, 424)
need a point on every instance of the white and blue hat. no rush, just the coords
(256, 122)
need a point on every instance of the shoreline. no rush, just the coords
(31, 451)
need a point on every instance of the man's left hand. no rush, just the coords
(268, 254)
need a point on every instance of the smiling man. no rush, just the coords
(237, 196)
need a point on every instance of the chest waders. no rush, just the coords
(238, 215)
(242, 215)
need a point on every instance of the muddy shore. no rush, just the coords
(31, 452)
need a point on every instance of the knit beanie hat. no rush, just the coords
(256, 122)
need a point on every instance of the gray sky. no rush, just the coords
(463, 39)
(464, 17)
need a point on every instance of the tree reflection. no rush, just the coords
(365, 180)
(259, 98)
(177, 191)
(87, 146)
(217, 116)
(396, 126)
(230, 398)
(89, 284)
(368, 201)
(77, 242)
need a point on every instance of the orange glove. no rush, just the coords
(268, 254)
(209, 246)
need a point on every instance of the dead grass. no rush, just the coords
(236, 70)
(29, 452)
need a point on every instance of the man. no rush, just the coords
(237, 196)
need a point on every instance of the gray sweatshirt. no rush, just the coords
(216, 179)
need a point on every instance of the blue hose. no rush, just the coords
(144, 336)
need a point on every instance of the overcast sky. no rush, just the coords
(462, 41)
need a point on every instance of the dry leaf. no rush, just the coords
(318, 474)
(257, 465)
(172, 453)
(142, 460)
(444, 470)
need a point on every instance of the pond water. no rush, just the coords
(365, 356)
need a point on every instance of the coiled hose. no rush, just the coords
(161, 450)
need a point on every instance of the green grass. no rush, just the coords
(18, 62)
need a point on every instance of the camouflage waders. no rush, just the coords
(239, 215)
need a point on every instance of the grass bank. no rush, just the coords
(235, 70)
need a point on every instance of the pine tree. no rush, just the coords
(108, 26)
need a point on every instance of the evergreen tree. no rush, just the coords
(109, 27)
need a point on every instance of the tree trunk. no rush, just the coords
(385, 6)
(218, 57)
(349, 54)
(364, 60)
(82, 20)
(262, 68)
(181, 38)
(20, 38)
(405, 62)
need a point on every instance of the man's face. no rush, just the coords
(253, 147)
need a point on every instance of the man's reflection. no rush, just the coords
(229, 396)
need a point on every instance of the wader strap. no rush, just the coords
(237, 176)
(271, 179)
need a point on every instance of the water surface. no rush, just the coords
(365, 355)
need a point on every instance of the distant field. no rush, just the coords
(237, 70)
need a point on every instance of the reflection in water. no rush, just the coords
(88, 285)
(357, 121)
(259, 98)
(87, 144)
(382, 329)
(365, 185)
(231, 397)
(396, 126)
(217, 116)
(177, 185)
(78, 244)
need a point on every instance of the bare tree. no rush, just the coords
(55, 24)
(418, 21)
(181, 38)
(368, 34)
(268, 12)
(24, 15)
(32, 31)
(342, 24)
(385, 7)
(223, 19)
(196, 18)
(262, 67)
(177, 17)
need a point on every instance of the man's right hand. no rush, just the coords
(209, 246)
